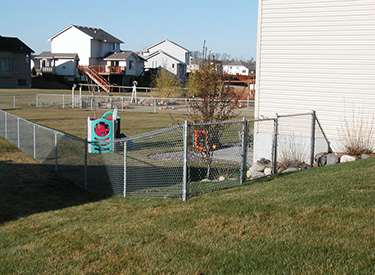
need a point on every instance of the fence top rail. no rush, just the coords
(20, 94)
(42, 127)
(293, 115)
(139, 97)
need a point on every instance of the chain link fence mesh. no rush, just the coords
(215, 156)
(179, 162)
(294, 142)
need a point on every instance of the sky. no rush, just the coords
(227, 26)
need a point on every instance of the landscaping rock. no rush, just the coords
(267, 171)
(365, 156)
(322, 160)
(257, 174)
(257, 167)
(332, 159)
(221, 178)
(347, 158)
(290, 169)
(248, 174)
(318, 155)
(264, 162)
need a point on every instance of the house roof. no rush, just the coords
(13, 44)
(122, 55)
(165, 40)
(163, 53)
(56, 55)
(94, 33)
(241, 63)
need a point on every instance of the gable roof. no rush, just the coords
(163, 53)
(240, 63)
(56, 55)
(94, 33)
(122, 55)
(13, 44)
(161, 42)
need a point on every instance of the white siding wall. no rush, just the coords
(171, 49)
(73, 41)
(316, 55)
(65, 67)
(235, 69)
(161, 60)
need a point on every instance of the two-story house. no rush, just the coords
(95, 53)
(169, 55)
(14, 63)
(238, 68)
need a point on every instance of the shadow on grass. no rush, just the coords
(26, 189)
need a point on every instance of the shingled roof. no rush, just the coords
(123, 55)
(95, 33)
(13, 44)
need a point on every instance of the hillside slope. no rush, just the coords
(316, 221)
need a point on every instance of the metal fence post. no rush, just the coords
(85, 167)
(185, 168)
(122, 104)
(36, 101)
(18, 132)
(55, 151)
(313, 115)
(63, 101)
(244, 150)
(154, 105)
(34, 142)
(14, 102)
(125, 147)
(6, 126)
(274, 144)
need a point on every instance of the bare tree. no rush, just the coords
(210, 101)
(166, 84)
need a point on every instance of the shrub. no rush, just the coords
(357, 134)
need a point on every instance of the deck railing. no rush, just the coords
(108, 69)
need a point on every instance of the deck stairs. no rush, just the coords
(94, 76)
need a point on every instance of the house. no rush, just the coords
(133, 63)
(238, 68)
(317, 55)
(169, 55)
(80, 50)
(14, 63)
(62, 64)
(130, 63)
(91, 44)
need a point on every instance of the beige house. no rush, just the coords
(316, 55)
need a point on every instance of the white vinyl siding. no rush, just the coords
(316, 55)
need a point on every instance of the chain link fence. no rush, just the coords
(179, 162)
(107, 102)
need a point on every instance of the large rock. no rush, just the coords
(347, 158)
(322, 160)
(267, 171)
(365, 156)
(290, 169)
(332, 159)
(318, 155)
(257, 167)
(256, 174)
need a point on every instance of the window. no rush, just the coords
(173, 65)
(131, 64)
(5, 65)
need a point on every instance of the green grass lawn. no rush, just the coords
(318, 221)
